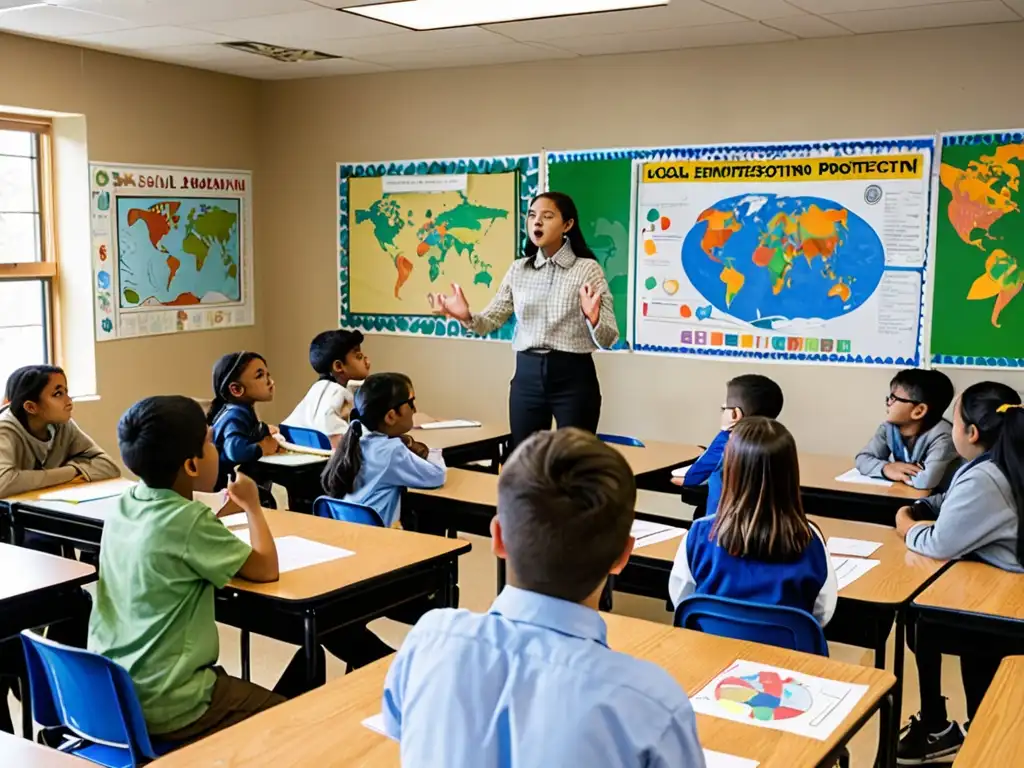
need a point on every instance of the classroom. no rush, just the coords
(293, 117)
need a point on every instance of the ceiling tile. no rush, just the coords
(188, 54)
(505, 53)
(297, 28)
(49, 21)
(842, 6)
(440, 39)
(13, 3)
(757, 9)
(922, 17)
(807, 25)
(679, 13)
(670, 39)
(151, 37)
(328, 68)
(1016, 5)
(351, 3)
(185, 12)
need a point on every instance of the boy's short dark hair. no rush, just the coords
(158, 435)
(565, 503)
(329, 346)
(930, 387)
(754, 395)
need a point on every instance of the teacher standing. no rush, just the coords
(563, 310)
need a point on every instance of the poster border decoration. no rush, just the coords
(975, 362)
(111, 322)
(528, 185)
(838, 148)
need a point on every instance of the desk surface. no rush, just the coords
(323, 726)
(454, 438)
(26, 571)
(22, 753)
(996, 738)
(976, 588)
(897, 577)
(818, 471)
(95, 510)
(655, 456)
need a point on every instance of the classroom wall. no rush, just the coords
(143, 112)
(895, 84)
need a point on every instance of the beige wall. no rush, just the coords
(142, 112)
(871, 86)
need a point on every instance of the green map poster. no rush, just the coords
(977, 309)
(599, 183)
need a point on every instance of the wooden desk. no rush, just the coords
(824, 495)
(465, 445)
(657, 458)
(996, 738)
(323, 727)
(25, 753)
(79, 525)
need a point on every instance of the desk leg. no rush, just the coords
(27, 726)
(891, 710)
(244, 649)
(501, 574)
(309, 647)
(899, 652)
(452, 583)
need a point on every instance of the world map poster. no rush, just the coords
(798, 252)
(171, 249)
(411, 229)
(978, 309)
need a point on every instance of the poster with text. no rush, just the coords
(797, 252)
(171, 249)
(978, 312)
(410, 229)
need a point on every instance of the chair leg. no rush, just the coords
(844, 758)
(27, 724)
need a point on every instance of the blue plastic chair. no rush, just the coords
(346, 511)
(307, 438)
(94, 698)
(776, 625)
(621, 440)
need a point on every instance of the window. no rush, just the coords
(28, 266)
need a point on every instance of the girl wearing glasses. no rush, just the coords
(371, 468)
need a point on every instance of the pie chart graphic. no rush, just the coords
(763, 696)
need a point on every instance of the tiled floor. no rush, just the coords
(477, 586)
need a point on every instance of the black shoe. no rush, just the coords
(919, 746)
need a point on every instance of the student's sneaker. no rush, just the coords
(917, 746)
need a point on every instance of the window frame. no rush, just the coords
(45, 271)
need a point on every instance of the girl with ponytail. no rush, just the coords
(978, 518)
(377, 459)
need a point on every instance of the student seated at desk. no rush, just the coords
(760, 547)
(745, 396)
(979, 516)
(913, 445)
(162, 554)
(337, 357)
(40, 445)
(533, 682)
(377, 459)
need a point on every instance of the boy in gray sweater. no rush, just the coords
(913, 445)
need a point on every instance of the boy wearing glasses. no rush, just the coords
(914, 445)
(745, 396)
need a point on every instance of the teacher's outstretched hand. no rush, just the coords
(564, 312)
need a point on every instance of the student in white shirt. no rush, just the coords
(337, 356)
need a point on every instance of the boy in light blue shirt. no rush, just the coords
(533, 682)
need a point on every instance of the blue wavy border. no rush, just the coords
(528, 167)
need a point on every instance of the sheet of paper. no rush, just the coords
(452, 424)
(780, 699)
(647, 533)
(235, 520)
(292, 459)
(853, 476)
(293, 448)
(680, 472)
(214, 501)
(849, 569)
(295, 552)
(721, 760)
(76, 494)
(837, 545)
(376, 724)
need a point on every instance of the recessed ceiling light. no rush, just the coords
(441, 14)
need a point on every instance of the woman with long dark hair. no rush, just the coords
(563, 309)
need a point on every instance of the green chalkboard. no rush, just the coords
(601, 189)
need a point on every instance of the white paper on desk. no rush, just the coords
(837, 545)
(295, 552)
(853, 476)
(769, 697)
(647, 533)
(293, 448)
(721, 760)
(849, 569)
(292, 459)
(89, 491)
(235, 520)
(452, 424)
(681, 472)
(376, 724)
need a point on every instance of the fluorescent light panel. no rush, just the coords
(442, 14)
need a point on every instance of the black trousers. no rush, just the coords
(553, 384)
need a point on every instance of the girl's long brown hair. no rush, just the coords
(760, 514)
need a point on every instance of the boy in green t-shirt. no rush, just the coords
(161, 557)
